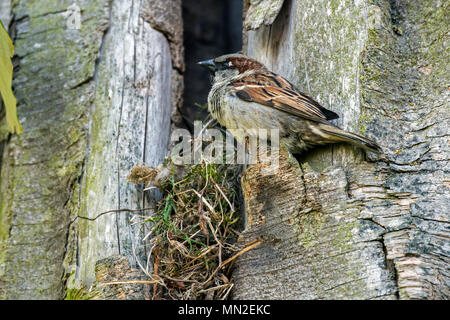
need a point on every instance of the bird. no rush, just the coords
(246, 95)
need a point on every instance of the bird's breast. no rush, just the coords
(249, 117)
(243, 118)
(216, 102)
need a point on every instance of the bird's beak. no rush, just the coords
(209, 64)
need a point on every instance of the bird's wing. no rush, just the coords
(274, 91)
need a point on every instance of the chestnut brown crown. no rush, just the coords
(236, 61)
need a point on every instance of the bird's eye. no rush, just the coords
(228, 65)
(225, 65)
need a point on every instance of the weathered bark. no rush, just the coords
(337, 225)
(93, 102)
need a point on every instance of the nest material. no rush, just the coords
(194, 230)
(142, 174)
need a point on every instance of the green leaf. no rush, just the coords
(168, 208)
(6, 72)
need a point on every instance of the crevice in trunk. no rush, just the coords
(211, 31)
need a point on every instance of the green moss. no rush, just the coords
(309, 227)
(363, 120)
(82, 294)
(4, 130)
(344, 238)
(374, 38)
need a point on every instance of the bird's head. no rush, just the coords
(231, 65)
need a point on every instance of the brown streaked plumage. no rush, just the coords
(245, 95)
(243, 64)
(272, 90)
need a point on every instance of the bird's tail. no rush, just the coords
(339, 135)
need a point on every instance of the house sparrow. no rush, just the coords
(246, 95)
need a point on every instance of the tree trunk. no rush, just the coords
(337, 225)
(93, 102)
